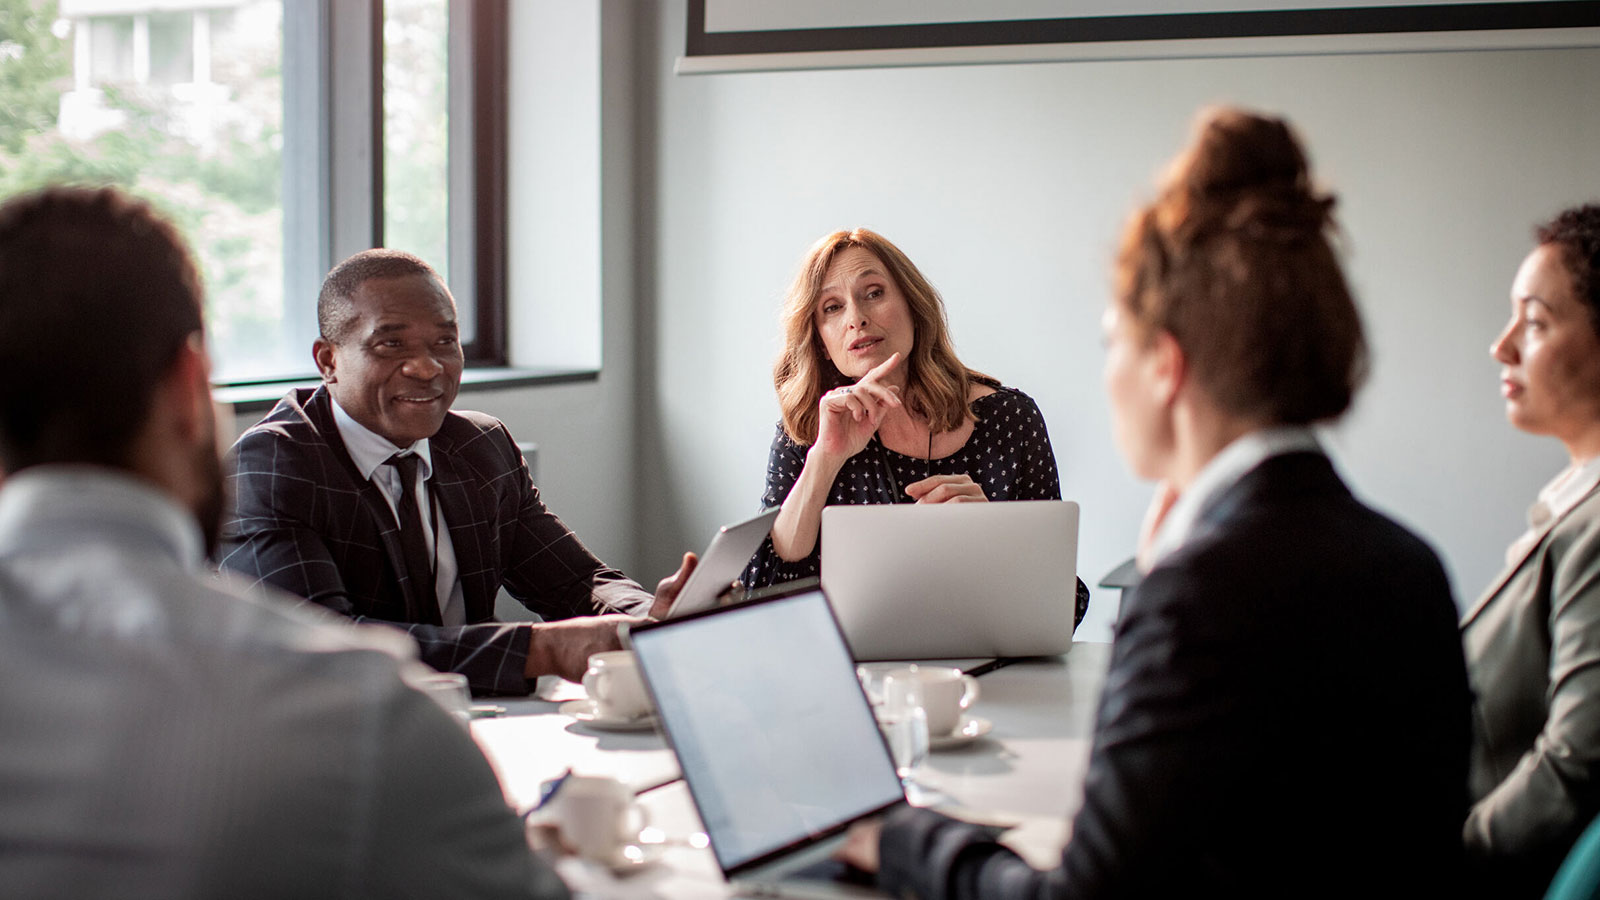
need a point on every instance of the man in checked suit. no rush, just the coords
(369, 496)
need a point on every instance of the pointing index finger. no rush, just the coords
(883, 368)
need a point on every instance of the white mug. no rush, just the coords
(947, 692)
(613, 683)
(596, 816)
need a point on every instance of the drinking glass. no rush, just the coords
(449, 690)
(904, 721)
(871, 684)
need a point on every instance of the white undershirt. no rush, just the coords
(370, 452)
(1555, 500)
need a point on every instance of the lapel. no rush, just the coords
(460, 496)
(420, 609)
(1500, 581)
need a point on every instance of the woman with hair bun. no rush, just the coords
(1286, 711)
(1533, 638)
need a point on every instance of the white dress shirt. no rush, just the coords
(371, 452)
(168, 733)
(1222, 472)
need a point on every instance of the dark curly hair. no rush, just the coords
(1577, 232)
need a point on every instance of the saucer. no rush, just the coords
(968, 729)
(633, 856)
(585, 712)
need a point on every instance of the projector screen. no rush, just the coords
(743, 27)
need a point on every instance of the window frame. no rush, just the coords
(333, 159)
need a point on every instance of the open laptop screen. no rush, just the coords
(773, 733)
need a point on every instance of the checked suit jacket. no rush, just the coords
(304, 520)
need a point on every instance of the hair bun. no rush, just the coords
(1243, 173)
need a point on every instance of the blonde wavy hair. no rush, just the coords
(937, 383)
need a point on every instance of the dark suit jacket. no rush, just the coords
(1286, 714)
(305, 520)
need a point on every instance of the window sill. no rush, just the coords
(261, 396)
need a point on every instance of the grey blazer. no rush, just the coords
(1533, 655)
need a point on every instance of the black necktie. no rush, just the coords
(424, 602)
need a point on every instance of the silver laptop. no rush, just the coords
(953, 580)
(728, 554)
(773, 735)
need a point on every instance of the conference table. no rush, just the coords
(1027, 772)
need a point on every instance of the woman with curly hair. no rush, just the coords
(1533, 639)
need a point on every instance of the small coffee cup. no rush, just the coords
(596, 816)
(946, 693)
(613, 683)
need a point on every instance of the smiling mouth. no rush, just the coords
(420, 398)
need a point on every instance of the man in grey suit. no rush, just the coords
(166, 734)
(368, 495)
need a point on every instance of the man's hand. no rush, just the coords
(563, 647)
(669, 587)
(860, 847)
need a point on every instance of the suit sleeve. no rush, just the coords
(270, 537)
(1158, 735)
(1547, 799)
(548, 568)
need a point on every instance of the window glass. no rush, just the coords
(172, 47)
(416, 159)
(184, 103)
(183, 108)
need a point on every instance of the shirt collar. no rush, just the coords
(369, 450)
(1564, 492)
(1222, 472)
(72, 502)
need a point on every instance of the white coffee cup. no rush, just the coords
(596, 816)
(449, 690)
(946, 693)
(613, 683)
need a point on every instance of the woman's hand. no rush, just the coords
(850, 415)
(947, 489)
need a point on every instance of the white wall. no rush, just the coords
(1007, 185)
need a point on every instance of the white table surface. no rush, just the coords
(1028, 771)
(534, 743)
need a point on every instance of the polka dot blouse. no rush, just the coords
(1008, 455)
